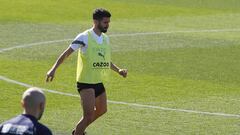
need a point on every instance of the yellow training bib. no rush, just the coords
(94, 64)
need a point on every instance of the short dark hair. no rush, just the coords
(100, 13)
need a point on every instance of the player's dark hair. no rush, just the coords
(100, 13)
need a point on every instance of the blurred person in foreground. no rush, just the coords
(33, 103)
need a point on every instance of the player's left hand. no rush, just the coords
(123, 72)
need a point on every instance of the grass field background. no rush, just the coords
(187, 66)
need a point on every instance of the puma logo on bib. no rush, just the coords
(101, 54)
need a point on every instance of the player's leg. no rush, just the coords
(100, 105)
(88, 103)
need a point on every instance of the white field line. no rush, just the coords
(129, 104)
(33, 44)
(173, 32)
(126, 34)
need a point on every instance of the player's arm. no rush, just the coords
(61, 58)
(122, 72)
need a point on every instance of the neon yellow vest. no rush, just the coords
(94, 64)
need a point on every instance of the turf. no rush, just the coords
(173, 69)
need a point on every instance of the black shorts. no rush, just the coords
(98, 88)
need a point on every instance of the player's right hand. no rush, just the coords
(123, 72)
(50, 75)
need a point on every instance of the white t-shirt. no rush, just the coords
(81, 41)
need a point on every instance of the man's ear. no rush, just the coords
(22, 104)
(95, 22)
(42, 105)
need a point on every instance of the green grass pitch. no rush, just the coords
(188, 59)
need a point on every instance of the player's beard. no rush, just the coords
(102, 29)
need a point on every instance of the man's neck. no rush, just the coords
(97, 31)
(34, 114)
